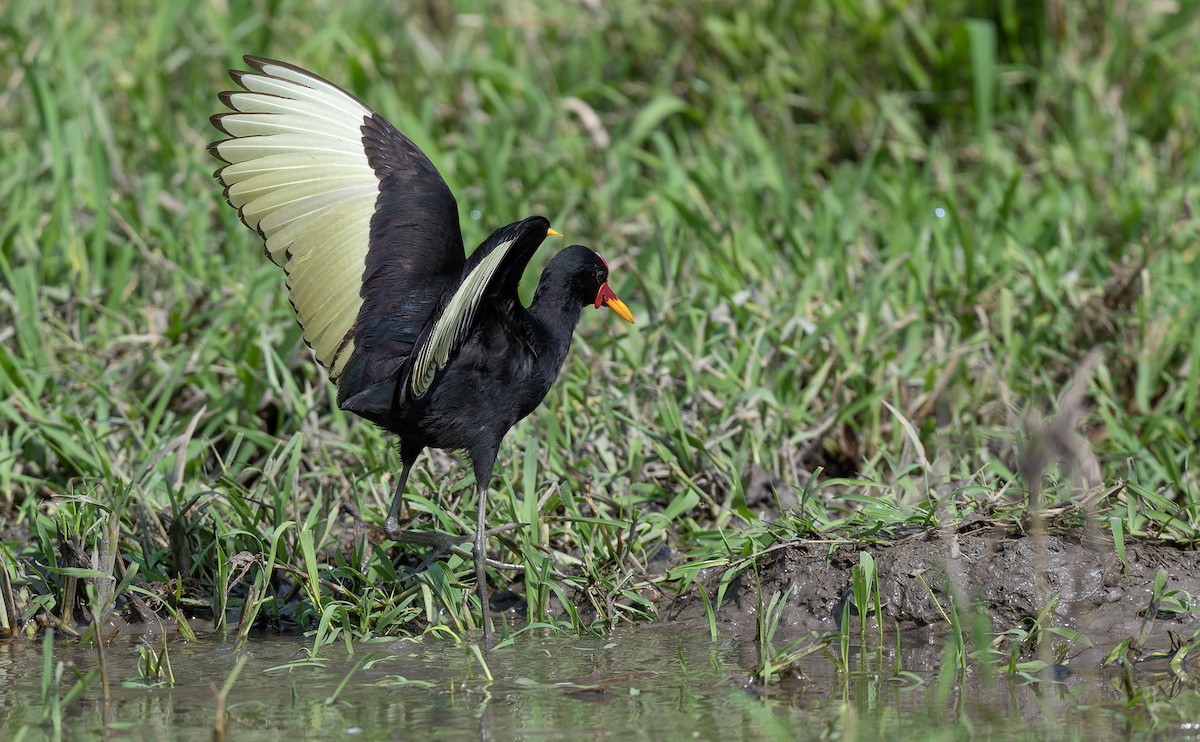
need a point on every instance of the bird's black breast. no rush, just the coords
(494, 380)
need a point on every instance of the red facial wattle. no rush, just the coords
(606, 297)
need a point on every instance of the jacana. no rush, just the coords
(421, 340)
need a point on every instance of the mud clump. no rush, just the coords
(1097, 594)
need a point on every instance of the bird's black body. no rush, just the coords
(501, 372)
(427, 343)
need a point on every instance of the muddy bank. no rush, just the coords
(1098, 595)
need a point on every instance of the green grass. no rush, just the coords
(861, 241)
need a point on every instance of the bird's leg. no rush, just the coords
(408, 455)
(482, 462)
(440, 542)
(391, 525)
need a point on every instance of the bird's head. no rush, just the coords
(588, 276)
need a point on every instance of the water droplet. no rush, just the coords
(939, 212)
(475, 214)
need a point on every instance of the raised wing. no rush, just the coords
(356, 215)
(491, 276)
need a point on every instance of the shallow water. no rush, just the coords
(643, 682)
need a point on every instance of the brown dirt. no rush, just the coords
(1097, 595)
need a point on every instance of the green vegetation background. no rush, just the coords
(863, 240)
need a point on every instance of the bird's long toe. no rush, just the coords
(503, 529)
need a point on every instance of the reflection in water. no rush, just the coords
(642, 682)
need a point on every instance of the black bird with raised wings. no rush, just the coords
(421, 340)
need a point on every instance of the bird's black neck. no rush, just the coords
(556, 312)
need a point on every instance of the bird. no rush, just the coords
(431, 345)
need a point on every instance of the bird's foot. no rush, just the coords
(437, 539)
(443, 543)
(503, 529)
(424, 565)
(493, 563)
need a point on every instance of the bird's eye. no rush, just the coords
(601, 276)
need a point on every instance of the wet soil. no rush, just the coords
(1098, 594)
(996, 567)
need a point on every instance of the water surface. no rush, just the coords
(663, 681)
